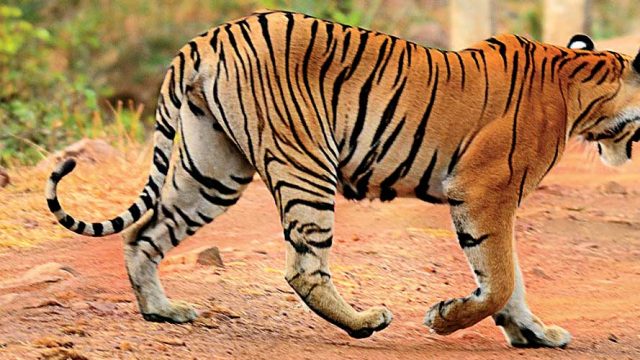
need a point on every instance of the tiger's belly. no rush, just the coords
(422, 182)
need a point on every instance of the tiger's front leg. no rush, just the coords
(484, 225)
(521, 327)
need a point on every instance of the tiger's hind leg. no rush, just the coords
(521, 327)
(307, 217)
(208, 178)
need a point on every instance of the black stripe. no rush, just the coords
(205, 218)
(182, 63)
(134, 211)
(172, 235)
(54, 205)
(514, 79)
(595, 70)
(555, 158)
(522, 184)
(97, 229)
(390, 140)
(502, 49)
(195, 55)
(241, 180)
(172, 84)
(462, 69)
(467, 241)
(195, 109)
(577, 70)
(187, 220)
(321, 206)
(117, 224)
(67, 221)
(455, 157)
(218, 200)
(422, 189)
(404, 167)
(149, 241)
(321, 244)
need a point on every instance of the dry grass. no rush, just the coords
(94, 191)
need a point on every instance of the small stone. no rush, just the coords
(63, 354)
(613, 338)
(125, 346)
(537, 271)
(47, 273)
(210, 256)
(44, 303)
(52, 342)
(205, 322)
(613, 188)
(85, 150)
(216, 310)
(170, 341)
(74, 330)
(103, 308)
(4, 177)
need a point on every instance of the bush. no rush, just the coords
(39, 106)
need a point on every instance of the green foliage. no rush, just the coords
(42, 106)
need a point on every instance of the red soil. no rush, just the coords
(578, 240)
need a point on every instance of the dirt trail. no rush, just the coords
(578, 240)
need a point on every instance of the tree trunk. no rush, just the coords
(471, 21)
(563, 19)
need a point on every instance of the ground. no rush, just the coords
(65, 296)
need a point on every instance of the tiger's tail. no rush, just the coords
(167, 114)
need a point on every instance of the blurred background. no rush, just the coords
(91, 68)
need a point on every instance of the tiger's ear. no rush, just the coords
(636, 63)
(581, 42)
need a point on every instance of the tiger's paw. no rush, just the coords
(436, 318)
(532, 333)
(372, 320)
(177, 313)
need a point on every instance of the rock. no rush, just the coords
(85, 150)
(4, 177)
(613, 188)
(47, 273)
(200, 256)
(210, 256)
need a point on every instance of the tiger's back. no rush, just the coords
(392, 117)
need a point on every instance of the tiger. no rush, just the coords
(318, 108)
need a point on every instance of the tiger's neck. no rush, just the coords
(591, 82)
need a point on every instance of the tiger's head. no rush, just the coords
(616, 124)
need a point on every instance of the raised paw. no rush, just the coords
(175, 313)
(532, 333)
(437, 318)
(372, 320)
